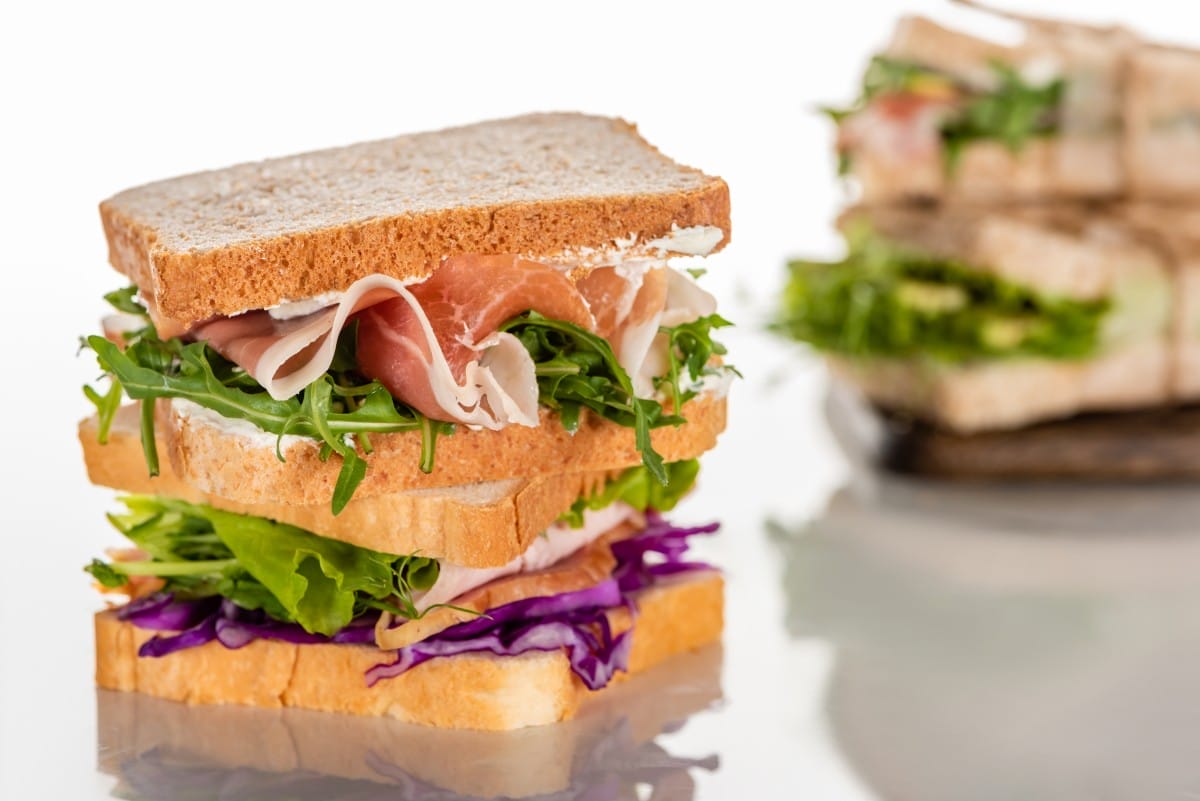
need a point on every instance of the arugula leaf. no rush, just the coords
(886, 301)
(291, 574)
(577, 369)
(106, 407)
(150, 368)
(124, 300)
(1013, 113)
(690, 347)
(635, 487)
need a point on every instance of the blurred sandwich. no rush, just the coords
(422, 401)
(945, 114)
(978, 319)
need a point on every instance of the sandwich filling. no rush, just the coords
(199, 574)
(485, 341)
(886, 301)
(909, 112)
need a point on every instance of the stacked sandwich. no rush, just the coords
(1010, 260)
(405, 416)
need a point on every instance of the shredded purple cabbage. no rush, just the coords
(575, 621)
(206, 619)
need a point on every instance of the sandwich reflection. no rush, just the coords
(165, 751)
(1006, 643)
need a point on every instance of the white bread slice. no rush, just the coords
(1011, 394)
(1162, 123)
(485, 524)
(920, 40)
(253, 235)
(610, 731)
(1063, 251)
(1075, 165)
(244, 467)
(467, 691)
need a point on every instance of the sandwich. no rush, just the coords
(157, 749)
(943, 114)
(978, 320)
(403, 420)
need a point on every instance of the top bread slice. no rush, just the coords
(258, 234)
(920, 40)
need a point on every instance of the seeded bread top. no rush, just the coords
(254, 235)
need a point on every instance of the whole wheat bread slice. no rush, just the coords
(254, 235)
(482, 524)
(468, 691)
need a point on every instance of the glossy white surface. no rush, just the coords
(885, 640)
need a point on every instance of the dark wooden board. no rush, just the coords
(1142, 445)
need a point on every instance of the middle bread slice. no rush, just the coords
(482, 524)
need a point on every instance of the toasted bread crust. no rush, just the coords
(478, 525)
(248, 471)
(254, 235)
(468, 691)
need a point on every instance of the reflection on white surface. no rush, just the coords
(987, 646)
(165, 751)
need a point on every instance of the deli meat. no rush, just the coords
(462, 304)
(435, 345)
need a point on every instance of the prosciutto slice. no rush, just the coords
(451, 321)
(435, 346)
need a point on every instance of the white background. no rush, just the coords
(100, 96)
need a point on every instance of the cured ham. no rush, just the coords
(904, 126)
(434, 344)
(463, 303)
(564, 560)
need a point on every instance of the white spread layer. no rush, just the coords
(559, 542)
(696, 240)
(233, 426)
(287, 309)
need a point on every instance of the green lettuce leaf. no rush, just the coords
(291, 574)
(638, 488)
(886, 301)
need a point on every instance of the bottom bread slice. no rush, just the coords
(468, 691)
